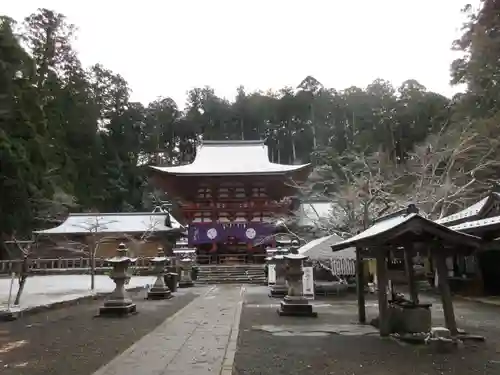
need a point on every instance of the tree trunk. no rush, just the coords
(313, 127)
(23, 276)
(92, 264)
(279, 153)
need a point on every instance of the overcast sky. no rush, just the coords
(164, 48)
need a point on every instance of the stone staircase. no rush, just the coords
(232, 274)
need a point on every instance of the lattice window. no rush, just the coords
(239, 192)
(204, 193)
(223, 193)
(259, 192)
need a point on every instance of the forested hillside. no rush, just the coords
(72, 140)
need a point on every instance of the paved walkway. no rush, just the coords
(199, 339)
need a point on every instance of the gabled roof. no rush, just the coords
(320, 248)
(87, 223)
(476, 211)
(394, 228)
(479, 226)
(231, 158)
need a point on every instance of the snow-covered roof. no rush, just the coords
(231, 157)
(114, 223)
(481, 225)
(474, 212)
(320, 248)
(399, 225)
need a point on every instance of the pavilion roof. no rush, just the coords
(320, 248)
(231, 158)
(395, 229)
(86, 223)
(477, 211)
(488, 224)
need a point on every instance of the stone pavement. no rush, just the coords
(199, 339)
(490, 300)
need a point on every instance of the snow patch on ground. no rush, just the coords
(46, 290)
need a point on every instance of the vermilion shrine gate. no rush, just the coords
(230, 196)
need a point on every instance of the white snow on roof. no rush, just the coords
(231, 157)
(320, 248)
(466, 213)
(393, 223)
(375, 229)
(484, 224)
(114, 223)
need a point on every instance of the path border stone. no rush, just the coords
(228, 361)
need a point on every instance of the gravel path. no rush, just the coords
(269, 344)
(71, 341)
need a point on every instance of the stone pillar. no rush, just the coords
(119, 303)
(159, 290)
(186, 264)
(294, 303)
(279, 289)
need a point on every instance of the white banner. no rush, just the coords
(271, 274)
(308, 282)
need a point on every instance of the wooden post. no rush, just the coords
(383, 308)
(410, 273)
(444, 288)
(360, 286)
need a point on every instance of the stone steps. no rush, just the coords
(238, 274)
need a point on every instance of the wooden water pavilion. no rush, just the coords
(407, 232)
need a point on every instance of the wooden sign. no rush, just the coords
(271, 274)
(308, 283)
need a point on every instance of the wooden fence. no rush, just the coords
(42, 264)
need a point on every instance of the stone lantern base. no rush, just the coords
(161, 292)
(118, 308)
(296, 306)
(278, 291)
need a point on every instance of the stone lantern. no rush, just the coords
(186, 265)
(294, 303)
(159, 290)
(294, 247)
(119, 302)
(279, 289)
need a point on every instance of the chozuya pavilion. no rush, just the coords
(231, 195)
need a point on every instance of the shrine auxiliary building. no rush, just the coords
(231, 196)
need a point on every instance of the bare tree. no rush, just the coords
(24, 248)
(360, 188)
(449, 169)
(95, 226)
(138, 242)
(440, 176)
(97, 235)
